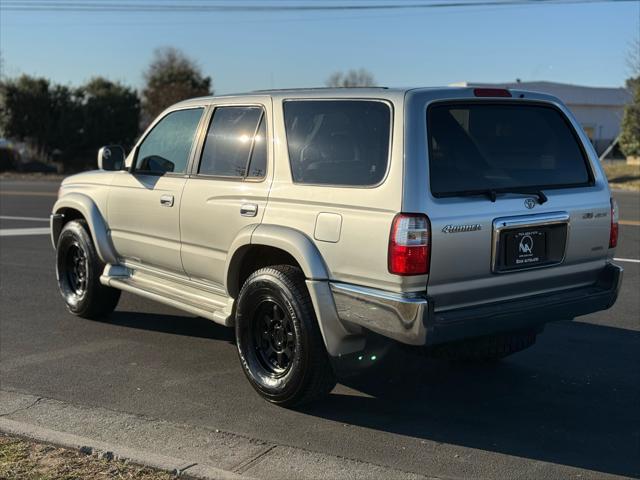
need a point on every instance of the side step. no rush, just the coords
(177, 292)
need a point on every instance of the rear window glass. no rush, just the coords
(476, 147)
(338, 142)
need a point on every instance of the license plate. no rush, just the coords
(526, 248)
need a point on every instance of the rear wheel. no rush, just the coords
(278, 338)
(78, 269)
(489, 348)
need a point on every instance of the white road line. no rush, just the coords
(630, 260)
(13, 232)
(26, 219)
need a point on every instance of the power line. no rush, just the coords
(221, 6)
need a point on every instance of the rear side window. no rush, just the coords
(236, 143)
(338, 142)
(258, 161)
(479, 146)
(167, 147)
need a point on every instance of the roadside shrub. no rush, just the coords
(630, 130)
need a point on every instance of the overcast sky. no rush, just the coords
(584, 44)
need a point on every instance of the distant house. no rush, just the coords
(598, 109)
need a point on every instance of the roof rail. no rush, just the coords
(311, 88)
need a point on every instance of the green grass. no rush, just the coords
(622, 175)
(29, 460)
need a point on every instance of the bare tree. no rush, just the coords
(352, 78)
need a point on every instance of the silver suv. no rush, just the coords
(456, 220)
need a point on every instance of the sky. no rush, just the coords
(587, 44)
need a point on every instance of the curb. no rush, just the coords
(176, 466)
(187, 450)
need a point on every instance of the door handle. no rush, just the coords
(166, 200)
(249, 210)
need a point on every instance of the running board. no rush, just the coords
(179, 293)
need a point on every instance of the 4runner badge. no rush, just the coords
(461, 228)
(529, 203)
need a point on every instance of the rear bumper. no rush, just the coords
(412, 319)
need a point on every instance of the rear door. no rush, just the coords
(228, 188)
(516, 207)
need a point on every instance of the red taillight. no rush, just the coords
(491, 92)
(613, 232)
(409, 244)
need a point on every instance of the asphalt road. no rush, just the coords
(569, 406)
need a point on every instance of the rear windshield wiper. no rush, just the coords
(493, 194)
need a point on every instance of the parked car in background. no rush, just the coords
(455, 220)
(14, 157)
(9, 157)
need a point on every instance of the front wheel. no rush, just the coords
(78, 269)
(278, 338)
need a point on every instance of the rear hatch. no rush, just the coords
(516, 208)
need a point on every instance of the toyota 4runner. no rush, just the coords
(459, 220)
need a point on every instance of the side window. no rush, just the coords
(236, 143)
(166, 148)
(338, 142)
(258, 162)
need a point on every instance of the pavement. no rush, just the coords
(154, 381)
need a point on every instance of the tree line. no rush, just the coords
(66, 125)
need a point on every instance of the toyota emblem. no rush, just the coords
(529, 203)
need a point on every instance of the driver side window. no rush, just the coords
(166, 148)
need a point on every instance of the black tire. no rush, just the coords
(78, 269)
(486, 349)
(279, 342)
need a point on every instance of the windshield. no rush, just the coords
(488, 146)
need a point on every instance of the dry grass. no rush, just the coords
(28, 460)
(622, 175)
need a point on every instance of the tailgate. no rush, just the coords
(498, 251)
(515, 205)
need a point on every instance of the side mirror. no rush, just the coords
(111, 157)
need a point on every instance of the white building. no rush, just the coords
(598, 109)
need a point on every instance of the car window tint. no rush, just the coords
(166, 148)
(258, 162)
(485, 146)
(338, 142)
(229, 141)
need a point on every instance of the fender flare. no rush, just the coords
(292, 241)
(338, 338)
(97, 224)
(297, 244)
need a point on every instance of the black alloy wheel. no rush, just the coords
(78, 269)
(274, 337)
(280, 346)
